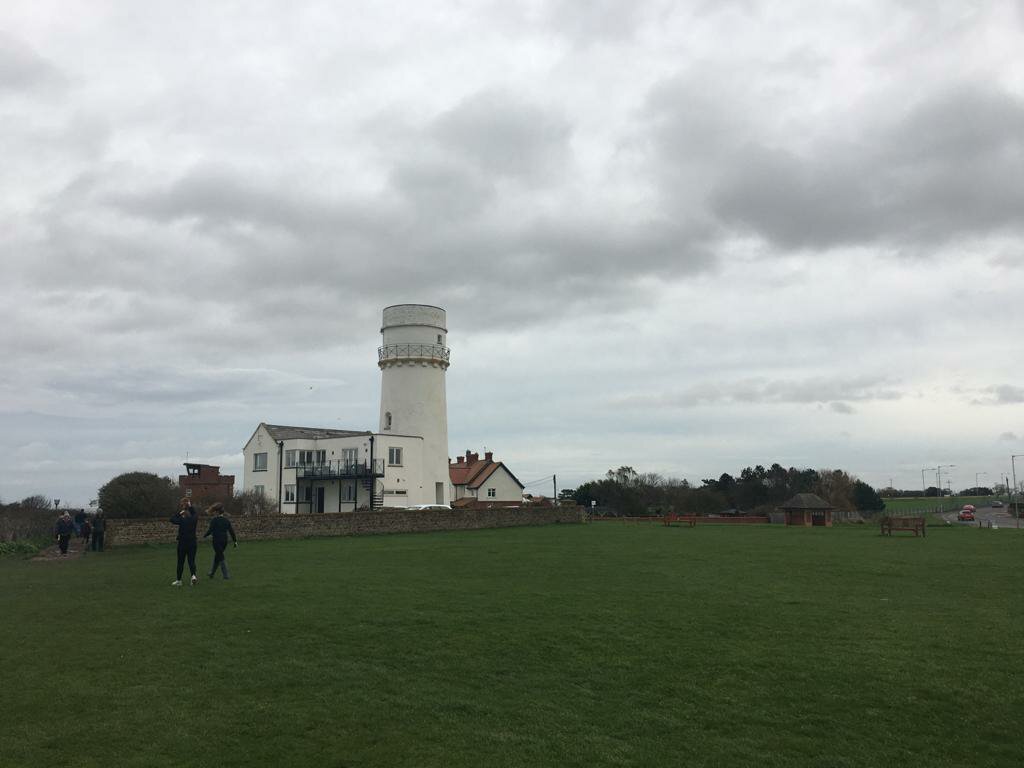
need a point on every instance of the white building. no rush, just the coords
(307, 469)
(483, 479)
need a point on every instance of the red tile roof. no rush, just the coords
(472, 471)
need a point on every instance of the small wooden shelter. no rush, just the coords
(807, 509)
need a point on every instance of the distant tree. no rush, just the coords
(251, 503)
(38, 501)
(139, 494)
(931, 490)
(865, 498)
(567, 493)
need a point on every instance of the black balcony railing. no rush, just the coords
(413, 352)
(330, 470)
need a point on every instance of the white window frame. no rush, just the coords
(289, 458)
(257, 460)
(395, 457)
(348, 492)
(260, 490)
(492, 493)
(289, 494)
(349, 456)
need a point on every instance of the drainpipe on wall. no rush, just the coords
(373, 477)
(280, 475)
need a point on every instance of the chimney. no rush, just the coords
(460, 460)
(488, 456)
(469, 457)
(474, 457)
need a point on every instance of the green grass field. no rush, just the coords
(949, 503)
(599, 645)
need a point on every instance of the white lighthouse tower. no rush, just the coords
(413, 361)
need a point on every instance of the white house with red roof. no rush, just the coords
(482, 479)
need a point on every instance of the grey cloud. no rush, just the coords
(1008, 436)
(604, 20)
(760, 390)
(506, 136)
(1001, 394)
(951, 167)
(21, 68)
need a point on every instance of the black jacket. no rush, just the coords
(220, 527)
(63, 527)
(186, 522)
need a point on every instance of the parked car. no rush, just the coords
(965, 515)
(997, 503)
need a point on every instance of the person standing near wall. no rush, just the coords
(186, 518)
(219, 528)
(99, 527)
(62, 531)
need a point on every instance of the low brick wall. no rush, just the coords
(122, 532)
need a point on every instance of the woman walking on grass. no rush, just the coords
(219, 528)
(186, 518)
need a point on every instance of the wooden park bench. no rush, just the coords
(672, 517)
(890, 524)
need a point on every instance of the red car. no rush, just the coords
(965, 515)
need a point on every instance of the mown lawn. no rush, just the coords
(593, 645)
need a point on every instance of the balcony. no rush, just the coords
(340, 470)
(413, 353)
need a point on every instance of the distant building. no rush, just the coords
(482, 479)
(204, 482)
(404, 463)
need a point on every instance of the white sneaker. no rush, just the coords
(194, 579)
(176, 583)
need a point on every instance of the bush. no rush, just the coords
(23, 546)
(139, 494)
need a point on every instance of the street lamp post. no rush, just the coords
(938, 478)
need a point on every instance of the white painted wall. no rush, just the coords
(505, 488)
(413, 399)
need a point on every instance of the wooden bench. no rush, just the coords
(672, 517)
(914, 524)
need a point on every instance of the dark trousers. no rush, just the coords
(186, 549)
(62, 541)
(218, 558)
(97, 541)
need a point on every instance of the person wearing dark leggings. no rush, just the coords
(219, 528)
(186, 518)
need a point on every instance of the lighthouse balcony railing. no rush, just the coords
(335, 470)
(413, 352)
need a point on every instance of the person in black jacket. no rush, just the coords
(186, 518)
(62, 531)
(219, 528)
(99, 528)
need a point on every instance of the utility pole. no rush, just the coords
(554, 484)
(1013, 468)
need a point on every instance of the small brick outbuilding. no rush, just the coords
(806, 509)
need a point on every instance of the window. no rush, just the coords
(387, 420)
(309, 493)
(349, 456)
(259, 462)
(349, 492)
(491, 493)
(289, 493)
(439, 339)
(396, 492)
(289, 458)
(312, 458)
(394, 457)
(258, 489)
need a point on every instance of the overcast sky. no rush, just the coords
(687, 237)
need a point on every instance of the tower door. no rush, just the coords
(319, 507)
(439, 493)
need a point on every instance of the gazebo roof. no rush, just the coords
(806, 501)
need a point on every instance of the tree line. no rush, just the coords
(754, 490)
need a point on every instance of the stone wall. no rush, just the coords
(122, 532)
